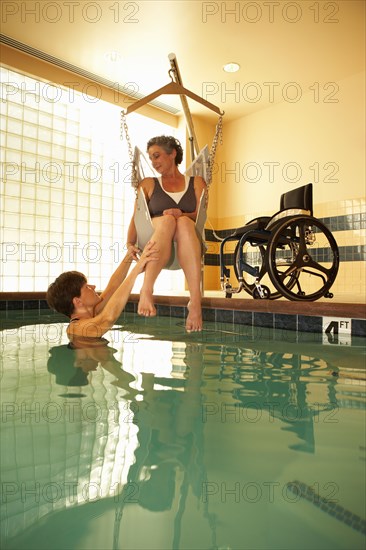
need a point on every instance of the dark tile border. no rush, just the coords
(164, 311)
(243, 317)
(262, 319)
(355, 253)
(224, 316)
(344, 222)
(358, 327)
(309, 324)
(285, 321)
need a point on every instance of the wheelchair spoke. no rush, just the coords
(288, 272)
(317, 267)
(315, 274)
(304, 257)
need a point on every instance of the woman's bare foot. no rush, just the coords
(146, 306)
(194, 319)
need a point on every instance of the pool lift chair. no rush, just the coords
(201, 165)
(291, 254)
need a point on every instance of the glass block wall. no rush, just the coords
(66, 198)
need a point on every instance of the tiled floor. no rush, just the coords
(340, 298)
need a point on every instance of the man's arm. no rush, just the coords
(104, 321)
(131, 255)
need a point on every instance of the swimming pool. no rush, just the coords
(235, 438)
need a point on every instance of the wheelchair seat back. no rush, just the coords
(301, 198)
(294, 202)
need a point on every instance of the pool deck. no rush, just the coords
(327, 308)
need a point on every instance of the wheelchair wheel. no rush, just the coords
(252, 255)
(255, 255)
(302, 250)
(265, 293)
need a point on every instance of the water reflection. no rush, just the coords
(71, 363)
(276, 384)
(173, 416)
(213, 419)
(171, 440)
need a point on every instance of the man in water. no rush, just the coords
(92, 314)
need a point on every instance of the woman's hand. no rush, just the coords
(173, 212)
(149, 254)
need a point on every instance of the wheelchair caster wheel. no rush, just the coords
(228, 291)
(266, 293)
(300, 293)
(328, 295)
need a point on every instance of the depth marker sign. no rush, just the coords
(337, 330)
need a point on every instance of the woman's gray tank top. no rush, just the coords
(161, 201)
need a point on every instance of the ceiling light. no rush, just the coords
(231, 67)
(113, 56)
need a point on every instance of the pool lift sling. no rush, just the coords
(201, 165)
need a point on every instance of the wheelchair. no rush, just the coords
(291, 254)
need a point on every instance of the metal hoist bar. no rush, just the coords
(175, 74)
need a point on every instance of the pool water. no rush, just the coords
(152, 438)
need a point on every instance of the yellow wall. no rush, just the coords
(295, 136)
(288, 144)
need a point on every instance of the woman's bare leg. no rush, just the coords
(189, 256)
(165, 227)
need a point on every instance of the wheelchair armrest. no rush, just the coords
(255, 223)
(261, 221)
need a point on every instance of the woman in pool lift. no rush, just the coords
(173, 202)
